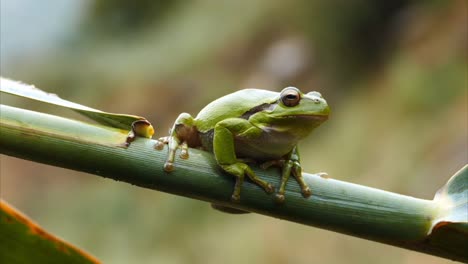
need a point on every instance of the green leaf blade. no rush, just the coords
(23, 241)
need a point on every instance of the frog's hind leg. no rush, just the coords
(290, 165)
(225, 154)
(182, 131)
(286, 172)
(296, 171)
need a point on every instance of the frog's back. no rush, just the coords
(232, 105)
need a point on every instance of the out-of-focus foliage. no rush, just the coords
(394, 73)
(23, 241)
(119, 19)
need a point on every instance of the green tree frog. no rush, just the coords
(251, 125)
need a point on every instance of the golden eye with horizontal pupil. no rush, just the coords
(290, 96)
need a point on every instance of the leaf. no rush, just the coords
(450, 226)
(453, 202)
(122, 121)
(23, 241)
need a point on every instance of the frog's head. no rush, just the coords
(296, 112)
(292, 103)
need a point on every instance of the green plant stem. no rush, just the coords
(334, 205)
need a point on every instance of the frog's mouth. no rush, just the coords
(309, 117)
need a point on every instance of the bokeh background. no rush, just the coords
(394, 73)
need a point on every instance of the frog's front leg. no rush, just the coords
(225, 133)
(182, 132)
(290, 165)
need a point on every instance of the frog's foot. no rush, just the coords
(279, 198)
(306, 192)
(289, 167)
(235, 197)
(184, 154)
(297, 173)
(184, 150)
(239, 170)
(161, 142)
(169, 166)
(284, 164)
(269, 188)
(173, 144)
(181, 135)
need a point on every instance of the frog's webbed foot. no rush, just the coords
(290, 165)
(174, 143)
(177, 139)
(297, 173)
(184, 150)
(161, 142)
(139, 128)
(239, 170)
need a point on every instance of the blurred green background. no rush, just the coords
(394, 73)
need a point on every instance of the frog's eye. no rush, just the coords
(290, 96)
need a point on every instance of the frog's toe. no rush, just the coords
(184, 154)
(269, 188)
(159, 145)
(168, 166)
(279, 198)
(306, 192)
(235, 198)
